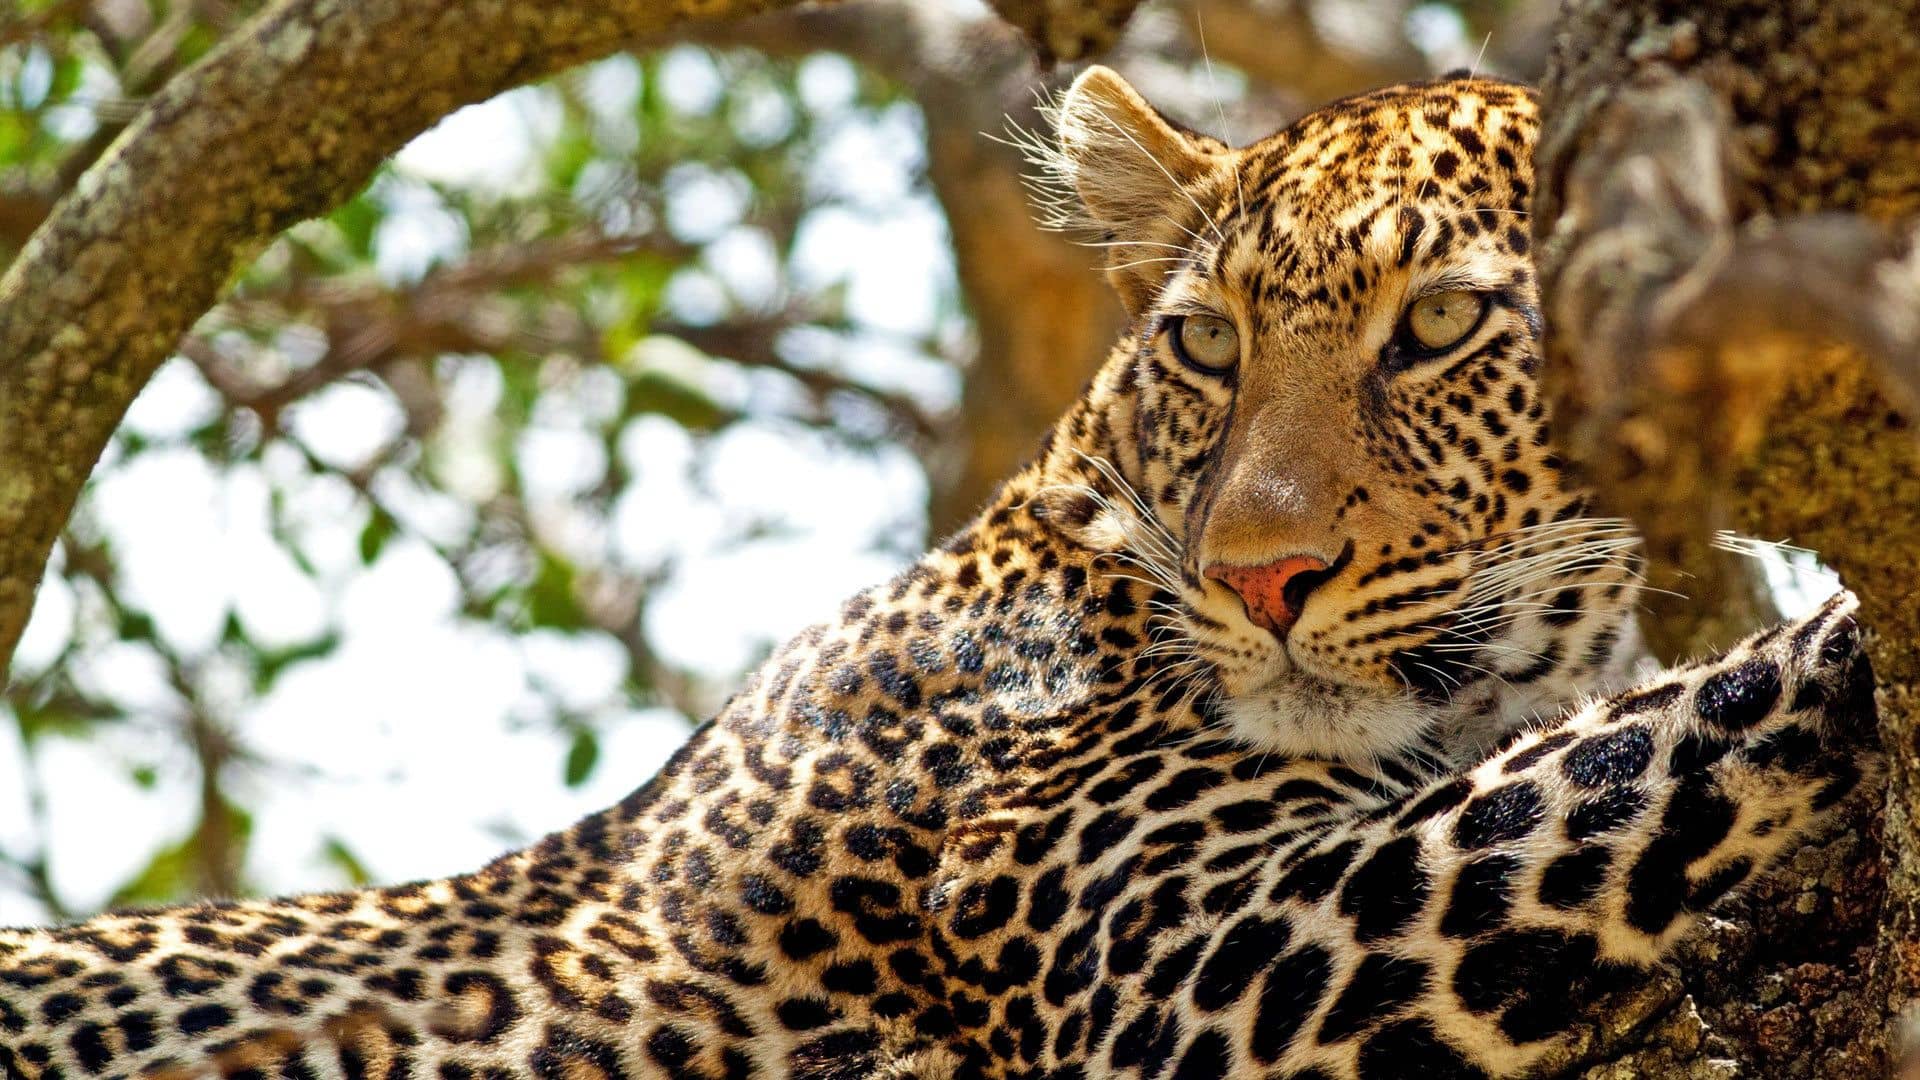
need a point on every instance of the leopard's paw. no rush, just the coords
(1682, 789)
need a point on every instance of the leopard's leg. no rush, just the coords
(1461, 930)
(1587, 851)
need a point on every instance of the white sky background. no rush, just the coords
(410, 743)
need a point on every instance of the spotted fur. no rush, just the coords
(1051, 804)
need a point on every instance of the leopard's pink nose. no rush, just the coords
(1274, 592)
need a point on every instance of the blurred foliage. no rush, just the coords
(470, 360)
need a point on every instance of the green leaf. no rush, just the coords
(37, 723)
(582, 756)
(164, 877)
(135, 625)
(274, 662)
(171, 874)
(379, 529)
(655, 392)
(520, 388)
(550, 598)
(67, 72)
(569, 153)
(357, 219)
(337, 853)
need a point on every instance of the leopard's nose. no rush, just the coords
(1275, 592)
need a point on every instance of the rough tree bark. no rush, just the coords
(1726, 195)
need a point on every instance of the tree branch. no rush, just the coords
(1720, 200)
(456, 308)
(452, 309)
(1640, 201)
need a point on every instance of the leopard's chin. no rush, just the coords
(1303, 715)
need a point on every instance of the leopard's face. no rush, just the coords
(1336, 424)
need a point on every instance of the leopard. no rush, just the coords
(1279, 719)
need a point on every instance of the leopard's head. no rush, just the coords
(1326, 419)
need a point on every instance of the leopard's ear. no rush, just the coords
(1135, 176)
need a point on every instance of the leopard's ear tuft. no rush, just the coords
(1119, 171)
(1124, 159)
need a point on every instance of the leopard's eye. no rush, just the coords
(1206, 343)
(1442, 320)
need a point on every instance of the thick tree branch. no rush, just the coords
(1639, 202)
(1723, 196)
(1807, 281)
(283, 121)
(1680, 307)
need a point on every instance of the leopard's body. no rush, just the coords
(1042, 806)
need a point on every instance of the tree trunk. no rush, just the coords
(1042, 311)
(1731, 302)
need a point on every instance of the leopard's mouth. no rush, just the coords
(1462, 634)
(1254, 661)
